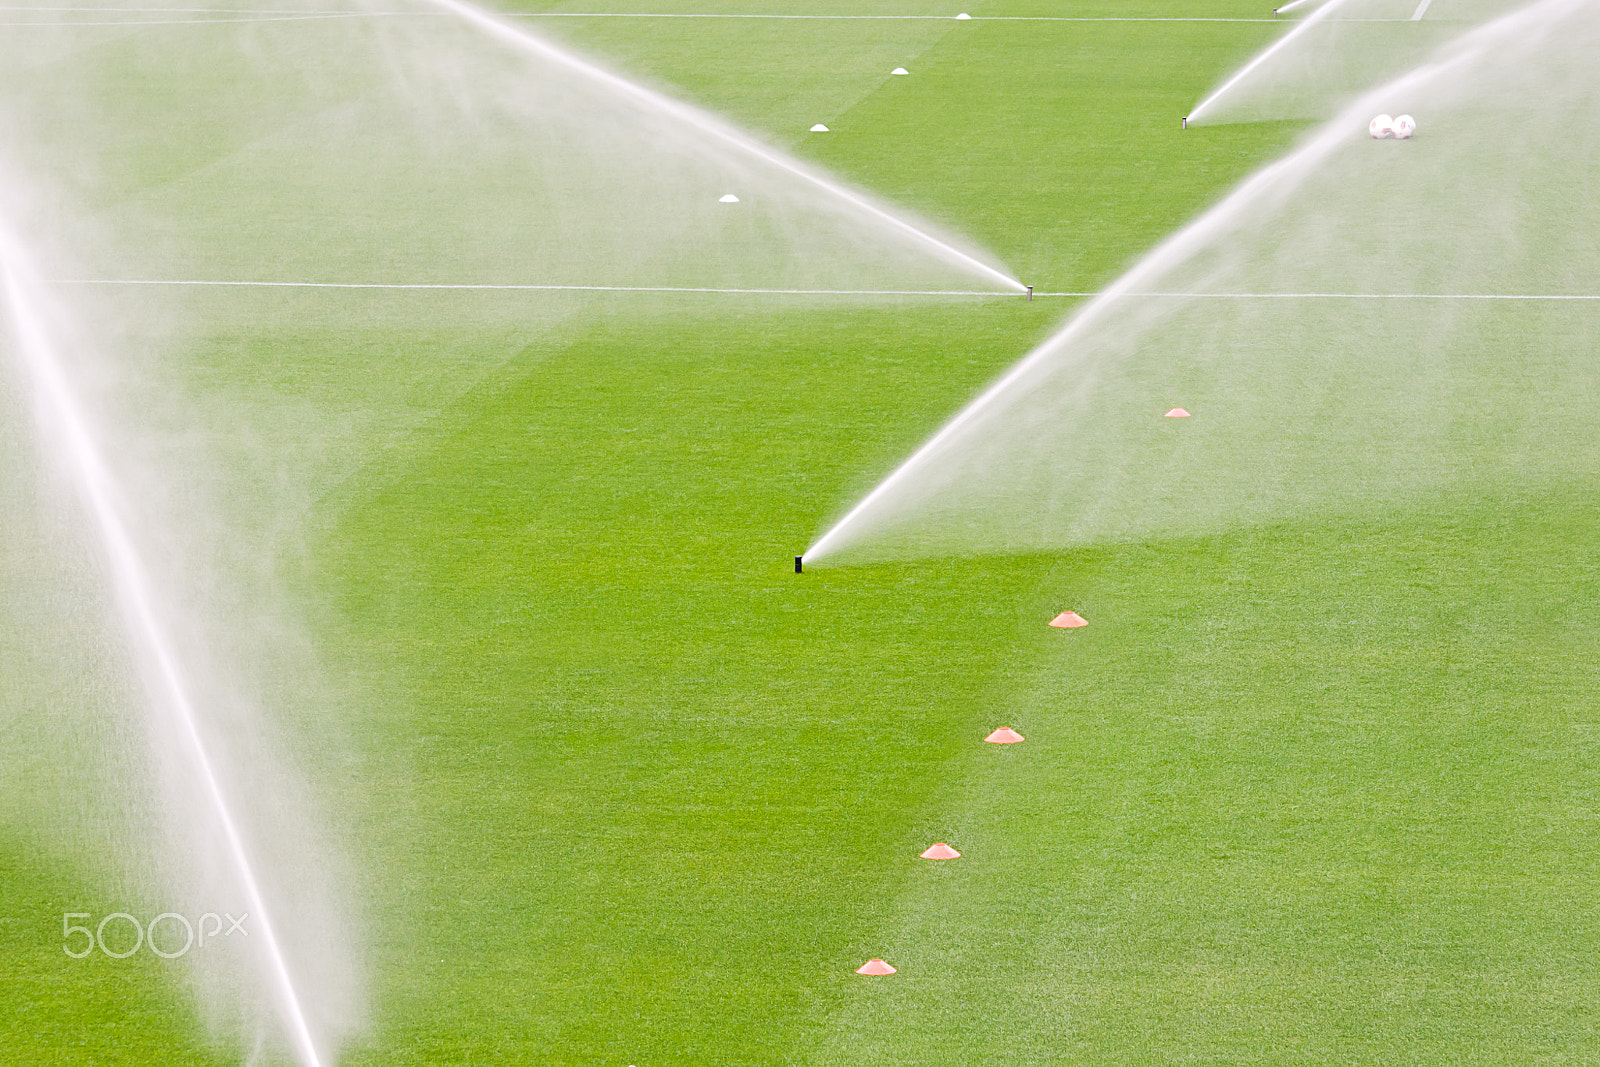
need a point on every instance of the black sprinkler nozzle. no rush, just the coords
(797, 561)
(1030, 294)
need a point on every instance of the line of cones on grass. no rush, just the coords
(1005, 735)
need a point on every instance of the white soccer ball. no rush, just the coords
(1404, 127)
(1381, 128)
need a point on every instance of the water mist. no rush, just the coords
(204, 782)
(1358, 326)
(1332, 53)
(700, 125)
(209, 432)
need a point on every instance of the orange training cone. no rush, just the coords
(1004, 736)
(941, 851)
(1177, 413)
(1069, 620)
(874, 967)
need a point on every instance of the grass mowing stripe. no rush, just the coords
(1303, 793)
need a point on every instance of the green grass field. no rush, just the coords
(624, 789)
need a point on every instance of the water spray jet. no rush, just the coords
(930, 479)
(1283, 42)
(64, 423)
(520, 39)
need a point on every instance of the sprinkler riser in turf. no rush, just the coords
(798, 560)
(1030, 294)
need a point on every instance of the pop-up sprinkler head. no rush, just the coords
(797, 561)
(1030, 294)
(1184, 125)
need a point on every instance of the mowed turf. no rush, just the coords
(628, 790)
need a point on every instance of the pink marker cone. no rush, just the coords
(1177, 413)
(1004, 736)
(1069, 620)
(941, 851)
(874, 967)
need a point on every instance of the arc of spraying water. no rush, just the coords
(1278, 178)
(60, 409)
(520, 39)
(1300, 29)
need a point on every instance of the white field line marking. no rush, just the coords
(539, 288)
(1352, 296)
(24, 23)
(475, 286)
(1301, 27)
(918, 18)
(936, 18)
(1069, 18)
(1422, 9)
(591, 15)
(183, 10)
